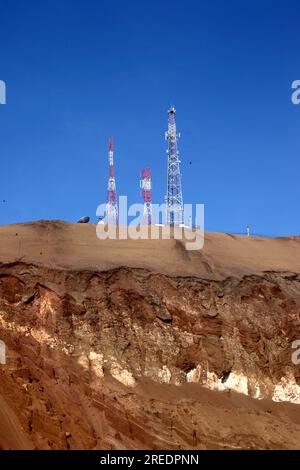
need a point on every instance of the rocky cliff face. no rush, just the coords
(131, 358)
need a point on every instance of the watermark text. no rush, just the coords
(296, 94)
(2, 353)
(2, 92)
(131, 224)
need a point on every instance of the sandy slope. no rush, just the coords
(75, 246)
(12, 434)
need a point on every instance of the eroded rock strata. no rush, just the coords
(129, 358)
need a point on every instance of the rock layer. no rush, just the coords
(131, 358)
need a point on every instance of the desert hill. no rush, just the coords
(123, 344)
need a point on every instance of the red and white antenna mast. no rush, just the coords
(146, 191)
(111, 203)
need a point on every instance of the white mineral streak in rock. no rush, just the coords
(122, 375)
(164, 375)
(84, 362)
(95, 362)
(287, 390)
(194, 375)
(257, 393)
(237, 382)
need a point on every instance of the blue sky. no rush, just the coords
(80, 71)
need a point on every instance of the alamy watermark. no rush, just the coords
(2, 353)
(296, 353)
(191, 234)
(2, 92)
(296, 94)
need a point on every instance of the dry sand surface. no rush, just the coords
(72, 246)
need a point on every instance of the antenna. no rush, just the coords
(174, 201)
(146, 192)
(111, 203)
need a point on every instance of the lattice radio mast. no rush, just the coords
(174, 201)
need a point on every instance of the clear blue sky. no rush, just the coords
(80, 71)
